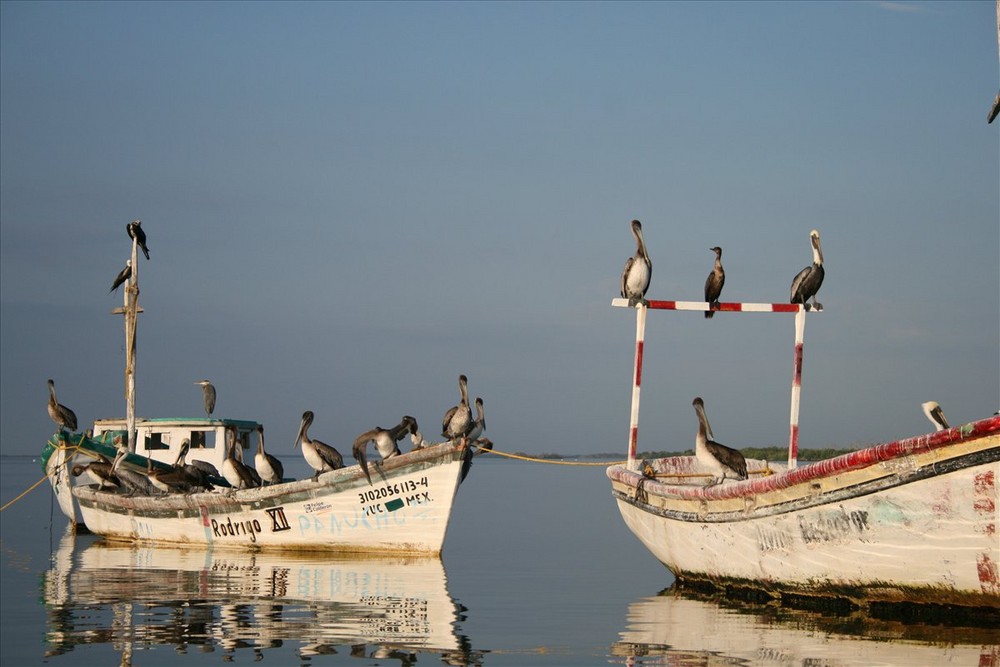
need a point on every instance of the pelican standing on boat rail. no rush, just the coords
(457, 421)
(385, 442)
(320, 456)
(59, 413)
(713, 284)
(638, 270)
(721, 460)
(268, 466)
(936, 415)
(208, 396)
(807, 282)
(234, 471)
(479, 425)
(99, 471)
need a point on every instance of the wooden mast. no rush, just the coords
(131, 311)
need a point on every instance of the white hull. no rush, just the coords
(914, 520)
(405, 510)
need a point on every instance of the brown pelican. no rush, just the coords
(208, 396)
(385, 442)
(320, 456)
(234, 470)
(198, 472)
(484, 445)
(60, 414)
(99, 471)
(122, 276)
(479, 425)
(713, 284)
(135, 482)
(417, 438)
(174, 480)
(457, 422)
(808, 281)
(268, 467)
(134, 230)
(936, 415)
(721, 460)
(638, 270)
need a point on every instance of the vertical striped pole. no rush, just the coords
(633, 431)
(793, 435)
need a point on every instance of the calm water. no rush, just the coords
(538, 569)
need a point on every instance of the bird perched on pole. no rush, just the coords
(638, 270)
(807, 282)
(713, 284)
(134, 230)
(122, 276)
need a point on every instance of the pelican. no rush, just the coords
(168, 481)
(417, 438)
(713, 284)
(479, 425)
(484, 445)
(268, 467)
(99, 471)
(196, 471)
(234, 470)
(457, 422)
(721, 460)
(638, 270)
(208, 396)
(385, 442)
(122, 276)
(808, 281)
(60, 414)
(320, 456)
(936, 415)
(134, 230)
(135, 482)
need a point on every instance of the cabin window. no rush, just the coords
(155, 441)
(203, 439)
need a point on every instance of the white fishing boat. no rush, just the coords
(912, 520)
(132, 596)
(404, 507)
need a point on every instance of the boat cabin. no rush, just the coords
(161, 439)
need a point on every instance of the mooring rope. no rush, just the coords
(58, 445)
(533, 459)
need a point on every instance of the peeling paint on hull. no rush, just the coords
(913, 520)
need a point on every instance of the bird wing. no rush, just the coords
(728, 457)
(797, 283)
(625, 272)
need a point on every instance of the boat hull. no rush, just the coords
(405, 510)
(915, 520)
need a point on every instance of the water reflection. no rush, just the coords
(133, 597)
(689, 628)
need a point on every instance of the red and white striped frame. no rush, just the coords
(640, 339)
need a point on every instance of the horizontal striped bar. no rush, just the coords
(723, 307)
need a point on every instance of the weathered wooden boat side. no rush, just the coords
(912, 520)
(405, 510)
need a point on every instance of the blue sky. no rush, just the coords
(349, 204)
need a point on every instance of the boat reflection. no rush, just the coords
(683, 628)
(130, 597)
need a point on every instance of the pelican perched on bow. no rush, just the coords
(134, 230)
(122, 276)
(638, 270)
(207, 396)
(721, 460)
(479, 425)
(806, 284)
(268, 467)
(713, 284)
(457, 422)
(59, 413)
(385, 442)
(936, 415)
(237, 473)
(320, 456)
(172, 480)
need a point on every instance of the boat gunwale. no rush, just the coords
(826, 468)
